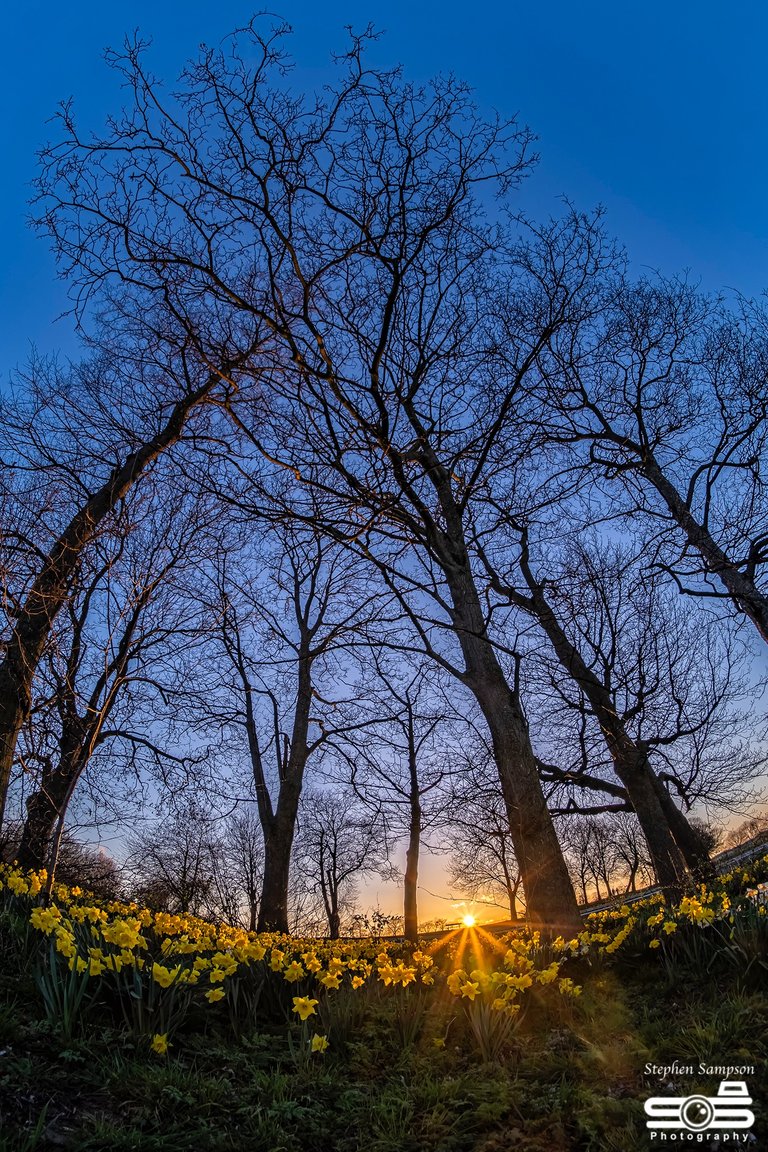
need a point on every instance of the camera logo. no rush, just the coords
(728, 1109)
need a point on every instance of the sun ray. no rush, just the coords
(494, 942)
(462, 948)
(443, 941)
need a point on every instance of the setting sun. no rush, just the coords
(469, 921)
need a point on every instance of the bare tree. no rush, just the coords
(400, 757)
(665, 389)
(631, 851)
(244, 846)
(589, 848)
(652, 678)
(482, 857)
(193, 860)
(122, 620)
(97, 474)
(607, 854)
(171, 864)
(278, 642)
(338, 843)
(350, 227)
(747, 830)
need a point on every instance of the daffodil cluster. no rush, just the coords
(152, 956)
(503, 986)
(161, 964)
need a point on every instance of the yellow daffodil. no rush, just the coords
(548, 975)
(520, 982)
(294, 972)
(455, 980)
(159, 1043)
(164, 976)
(45, 919)
(304, 1007)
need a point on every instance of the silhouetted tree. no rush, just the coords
(338, 843)
(349, 227)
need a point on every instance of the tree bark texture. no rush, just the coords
(550, 900)
(280, 826)
(410, 885)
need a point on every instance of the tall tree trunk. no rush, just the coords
(280, 828)
(43, 828)
(550, 899)
(252, 911)
(329, 885)
(630, 762)
(55, 849)
(278, 845)
(50, 588)
(334, 917)
(512, 897)
(512, 888)
(632, 767)
(410, 884)
(278, 842)
(694, 852)
(44, 808)
(549, 896)
(47, 807)
(583, 879)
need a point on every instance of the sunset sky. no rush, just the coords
(656, 111)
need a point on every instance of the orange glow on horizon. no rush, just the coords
(469, 947)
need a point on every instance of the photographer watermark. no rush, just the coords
(725, 1117)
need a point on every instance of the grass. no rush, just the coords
(411, 1066)
(571, 1082)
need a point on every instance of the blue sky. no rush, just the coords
(657, 111)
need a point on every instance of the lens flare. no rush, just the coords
(469, 921)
